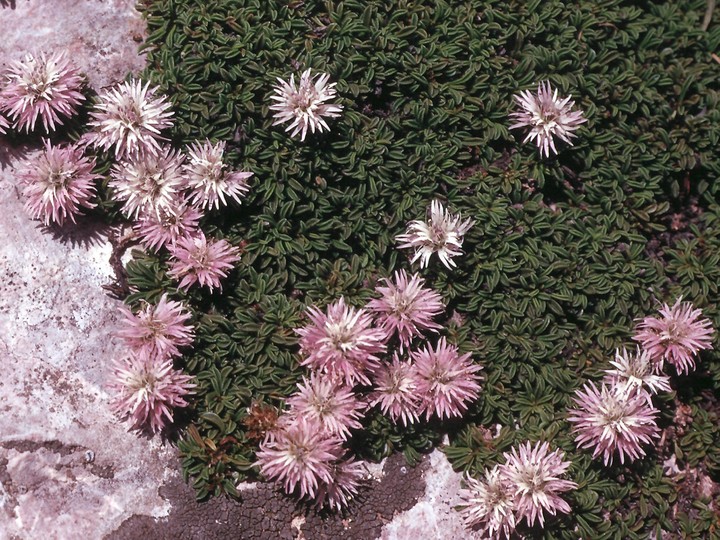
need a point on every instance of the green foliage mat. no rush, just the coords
(566, 254)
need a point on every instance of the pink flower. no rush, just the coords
(547, 116)
(44, 87)
(533, 474)
(304, 104)
(612, 420)
(490, 503)
(301, 455)
(328, 403)
(406, 307)
(341, 343)
(677, 336)
(160, 330)
(210, 179)
(395, 391)
(3, 124)
(129, 117)
(149, 183)
(197, 260)
(443, 235)
(345, 479)
(636, 371)
(445, 381)
(147, 388)
(166, 226)
(58, 183)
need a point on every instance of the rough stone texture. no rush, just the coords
(101, 36)
(68, 469)
(265, 513)
(434, 515)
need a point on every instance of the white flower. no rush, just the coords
(548, 116)
(210, 179)
(490, 503)
(130, 118)
(149, 183)
(304, 105)
(442, 235)
(632, 372)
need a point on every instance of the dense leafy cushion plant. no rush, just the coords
(566, 253)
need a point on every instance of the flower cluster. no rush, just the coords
(443, 235)
(548, 116)
(346, 350)
(146, 385)
(58, 183)
(618, 417)
(44, 87)
(527, 486)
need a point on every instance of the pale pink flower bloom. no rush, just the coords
(341, 343)
(300, 455)
(4, 124)
(165, 227)
(210, 179)
(58, 183)
(159, 329)
(548, 116)
(445, 380)
(149, 183)
(147, 388)
(129, 117)
(197, 260)
(346, 478)
(636, 371)
(443, 235)
(328, 403)
(489, 503)
(304, 105)
(533, 473)
(610, 420)
(677, 336)
(406, 307)
(395, 391)
(41, 86)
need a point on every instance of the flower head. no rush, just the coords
(345, 480)
(442, 235)
(210, 179)
(445, 380)
(490, 503)
(148, 183)
(166, 226)
(534, 473)
(301, 455)
(147, 389)
(677, 336)
(395, 391)
(406, 307)
(304, 105)
(41, 86)
(58, 183)
(636, 371)
(198, 260)
(158, 329)
(328, 403)
(547, 116)
(341, 342)
(612, 420)
(129, 117)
